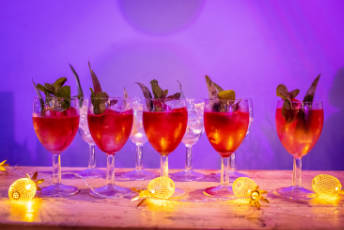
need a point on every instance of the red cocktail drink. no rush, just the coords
(110, 130)
(165, 130)
(56, 122)
(299, 135)
(226, 130)
(298, 127)
(110, 122)
(56, 130)
(165, 123)
(225, 123)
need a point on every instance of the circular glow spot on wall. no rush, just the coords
(157, 17)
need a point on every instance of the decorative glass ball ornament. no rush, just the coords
(161, 187)
(243, 186)
(324, 184)
(23, 189)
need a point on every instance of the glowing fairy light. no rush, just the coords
(24, 189)
(158, 188)
(3, 166)
(326, 185)
(161, 187)
(246, 188)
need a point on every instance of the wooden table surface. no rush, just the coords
(194, 211)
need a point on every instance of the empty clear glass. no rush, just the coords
(193, 132)
(84, 132)
(138, 137)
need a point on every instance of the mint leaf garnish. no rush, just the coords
(287, 108)
(80, 91)
(213, 88)
(181, 89)
(56, 89)
(98, 97)
(159, 93)
(39, 95)
(311, 91)
(222, 97)
(96, 84)
(288, 98)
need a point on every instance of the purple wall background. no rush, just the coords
(249, 46)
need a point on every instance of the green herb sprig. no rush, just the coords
(222, 97)
(158, 93)
(98, 96)
(289, 96)
(57, 89)
(80, 91)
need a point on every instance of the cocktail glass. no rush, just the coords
(193, 132)
(225, 123)
(234, 174)
(298, 130)
(165, 123)
(110, 122)
(138, 137)
(56, 127)
(91, 171)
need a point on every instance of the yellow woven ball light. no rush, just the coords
(23, 189)
(324, 184)
(243, 186)
(161, 187)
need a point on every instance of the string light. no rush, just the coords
(24, 189)
(3, 166)
(158, 188)
(326, 185)
(246, 188)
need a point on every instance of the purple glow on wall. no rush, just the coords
(249, 46)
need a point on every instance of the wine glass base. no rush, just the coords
(112, 191)
(187, 176)
(220, 191)
(294, 193)
(178, 194)
(137, 175)
(92, 173)
(232, 175)
(59, 190)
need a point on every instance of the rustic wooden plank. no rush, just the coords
(83, 211)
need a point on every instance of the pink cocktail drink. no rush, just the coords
(226, 130)
(110, 121)
(110, 130)
(299, 135)
(165, 125)
(56, 122)
(225, 123)
(165, 130)
(298, 126)
(56, 130)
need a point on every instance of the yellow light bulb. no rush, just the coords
(161, 187)
(324, 184)
(23, 189)
(243, 186)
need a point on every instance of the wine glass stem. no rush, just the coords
(92, 157)
(225, 169)
(297, 172)
(232, 163)
(188, 160)
(164, 166)
(110, 170)
(139, 165)
(56, 169)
